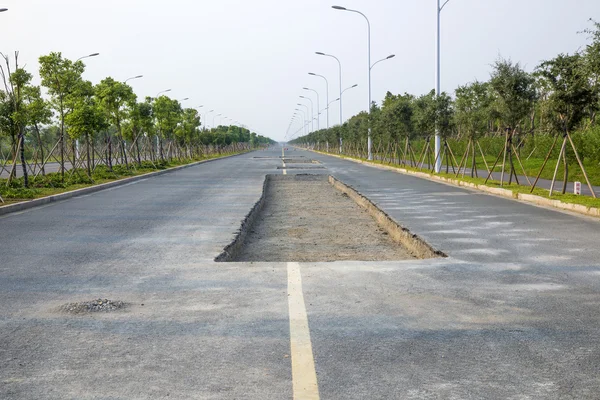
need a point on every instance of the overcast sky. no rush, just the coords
(249, 59)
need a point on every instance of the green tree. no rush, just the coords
(116, 98)
(571, 94)
(60, 76)
(85, 119)
(167, 114)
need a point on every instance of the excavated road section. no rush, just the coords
(305, 219)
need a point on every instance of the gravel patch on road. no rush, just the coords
(99, 305)
(305, 219)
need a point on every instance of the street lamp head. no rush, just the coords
(319, 53)
(302, 97)
(138, 77)
(390, 56)
(355, 85)
(168, 90)
(339, 8)
(305, 88)
(94, 54)
(187, 98)
(200, 106)
(3, 9)
(312, 73)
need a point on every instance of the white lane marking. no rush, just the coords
(304, 375)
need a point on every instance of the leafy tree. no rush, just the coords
(116, 99)
(16, 85)
(591, 67)
(515, 92)
(86, 118)
(140, 123)
(571, 94)
(472, 105)
(167, 114)
(60, 76)
(38, 113)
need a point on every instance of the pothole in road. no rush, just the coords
(299, 161)
(98, 305)
(311, 218)
(303, 167)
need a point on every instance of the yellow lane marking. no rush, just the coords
(304, 375)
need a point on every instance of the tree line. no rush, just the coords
(82, 125)
(559, 99)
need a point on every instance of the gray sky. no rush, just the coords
(249, 59)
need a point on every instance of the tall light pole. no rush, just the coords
(341, 93)
(215, 116)
(340, 67)
(133, 77)
(369, 140)
(438, 141)
(318, 112)
(312, 112)
(304, 115)
(205, 116)
(326, 93)
(81, 58)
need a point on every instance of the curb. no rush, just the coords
(24, 205)
(506, 193)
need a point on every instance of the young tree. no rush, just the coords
(86, 118)
(15, 85)
(167, 114)
(571, 95)
(116, 98)
(38, 113)
(60, 76)
(472, 107)
(140, 123)
(515, 96)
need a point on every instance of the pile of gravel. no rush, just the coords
(99, 305)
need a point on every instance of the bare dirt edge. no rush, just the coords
(415, 244)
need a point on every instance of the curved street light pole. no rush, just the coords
(326, 93)
(133, 77)
(369, 139)
(161, 92)
(350, 87)
(88, 56)
(206, 120)
(383, 59)
(318, 112)
(340, 67)
(215, 116)
(305, 116)
(312, 112)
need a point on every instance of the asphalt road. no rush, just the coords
(512, 313)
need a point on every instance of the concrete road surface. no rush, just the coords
(512, 313)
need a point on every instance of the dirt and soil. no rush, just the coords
(305, 219)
